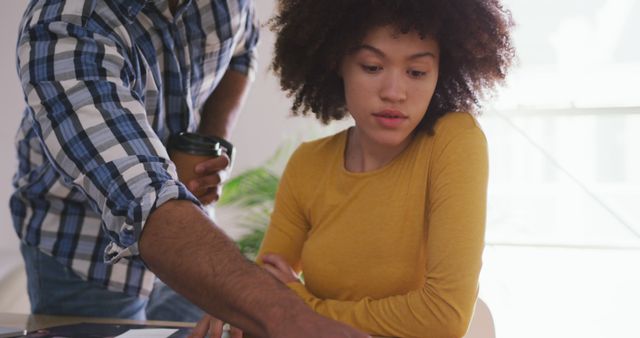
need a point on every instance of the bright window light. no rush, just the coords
(563, 225)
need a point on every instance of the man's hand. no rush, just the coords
(211, 175)
(210, 326)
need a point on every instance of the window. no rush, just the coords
(563, 226)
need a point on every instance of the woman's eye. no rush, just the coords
(370, 68)
(416, 73)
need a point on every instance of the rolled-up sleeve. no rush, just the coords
(94, 128)
(244, 58)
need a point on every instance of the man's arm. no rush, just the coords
(194, 257)
(221, 110)
(218, 117)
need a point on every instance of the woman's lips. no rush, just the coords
(390, 118)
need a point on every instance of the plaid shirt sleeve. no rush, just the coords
(94, 128)
(244, 56)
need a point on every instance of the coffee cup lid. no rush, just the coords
(195, 144)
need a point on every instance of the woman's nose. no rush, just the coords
(394, 87)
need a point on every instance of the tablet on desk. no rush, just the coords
(7, 332)
(106, 330)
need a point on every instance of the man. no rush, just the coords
(97, 203)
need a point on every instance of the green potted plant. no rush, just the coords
(253, 191)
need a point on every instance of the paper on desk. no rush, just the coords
(148, 333)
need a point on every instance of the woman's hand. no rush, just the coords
(211, 174)
(279, 268)
(210, 326)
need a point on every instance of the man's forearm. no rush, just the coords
(194, 257)
(222, 108)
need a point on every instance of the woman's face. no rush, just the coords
(389, 80)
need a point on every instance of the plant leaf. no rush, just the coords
(250, 243)
(250, 188)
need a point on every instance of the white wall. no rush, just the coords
(12, 106)
(266, 121)
(13, 295)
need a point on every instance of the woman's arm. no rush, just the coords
(288, 227)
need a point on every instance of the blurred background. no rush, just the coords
(563, 227)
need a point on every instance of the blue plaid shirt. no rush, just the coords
(106, 84)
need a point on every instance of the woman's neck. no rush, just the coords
(363, 154)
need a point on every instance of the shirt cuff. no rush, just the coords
(151, 200)
(245, 64)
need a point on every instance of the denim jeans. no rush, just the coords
(166, 304)
(56, 290)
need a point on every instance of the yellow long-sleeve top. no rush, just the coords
(395, 251)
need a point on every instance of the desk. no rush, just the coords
(35, 322)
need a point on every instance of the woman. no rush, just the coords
(386, 219)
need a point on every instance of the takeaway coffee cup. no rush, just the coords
(186, 150)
